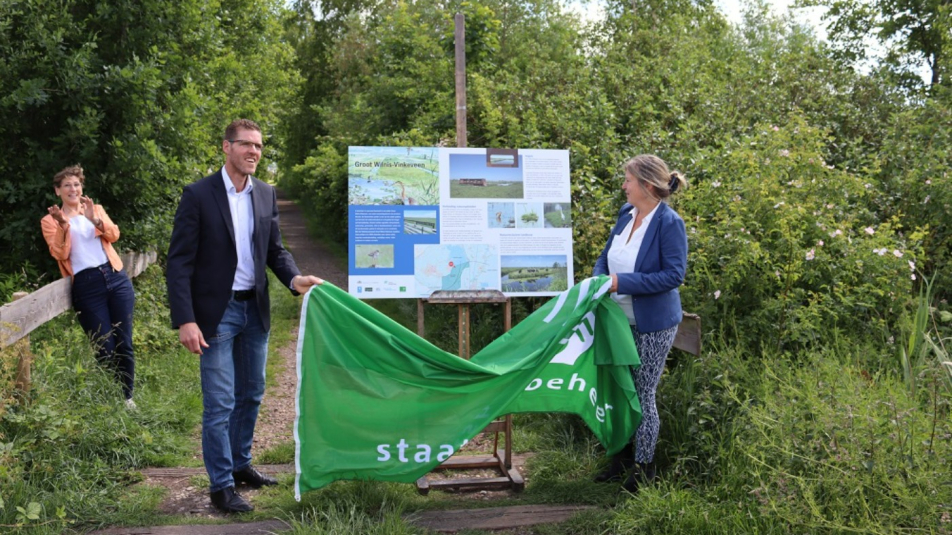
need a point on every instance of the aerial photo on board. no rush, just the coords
(393, 175)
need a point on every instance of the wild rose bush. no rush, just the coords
(785, 249)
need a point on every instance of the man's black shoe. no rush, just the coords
(253, 477)
(228, 501)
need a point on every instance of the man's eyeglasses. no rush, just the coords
(247, 144)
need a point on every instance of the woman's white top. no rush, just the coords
(623, 253)
(86, 248)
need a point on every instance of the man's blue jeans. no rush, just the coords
(232, 387)
(103, 299)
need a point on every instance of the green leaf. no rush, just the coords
(33, 510)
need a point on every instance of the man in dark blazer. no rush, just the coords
(225, 233)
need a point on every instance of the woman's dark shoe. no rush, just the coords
(643, 474)
(620, 463)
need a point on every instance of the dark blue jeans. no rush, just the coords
(103, 299)
(233, 373)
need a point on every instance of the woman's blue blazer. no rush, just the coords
(659, 269)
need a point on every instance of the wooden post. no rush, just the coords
(460, 33)
(25, 358)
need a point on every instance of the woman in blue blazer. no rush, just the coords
(646, 257)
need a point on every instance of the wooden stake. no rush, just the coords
(460, 33)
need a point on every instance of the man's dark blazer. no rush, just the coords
(659, 269)
(202, 258)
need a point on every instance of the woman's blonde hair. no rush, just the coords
(649, 170)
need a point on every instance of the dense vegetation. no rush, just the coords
(818, 215)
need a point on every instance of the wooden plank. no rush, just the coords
(518, 483)
(251, 528)
(457, 297)
(494, 518)
(496, 426)
(176, 473)
(463, 462)
(423, 486)
(689, 334)
(136, 263)
(481, 482)
(21, 317)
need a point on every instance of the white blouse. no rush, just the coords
(85, 247)
(623, 253)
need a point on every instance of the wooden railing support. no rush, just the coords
(24, 358)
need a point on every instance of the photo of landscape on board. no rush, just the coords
(393, 175)
(472, 178)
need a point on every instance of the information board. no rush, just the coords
(422, 219)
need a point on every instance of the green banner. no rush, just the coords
(376, 401)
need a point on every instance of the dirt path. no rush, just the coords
(276, 419)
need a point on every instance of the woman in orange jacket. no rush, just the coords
(80, 236)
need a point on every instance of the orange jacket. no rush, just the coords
(58, 239)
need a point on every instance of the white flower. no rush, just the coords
(897, 253)
(880, 252)
(785, 152)
(820, 243)
(830, 206)
(869, 230)
(775, 129)
(811, 254)
(716, 184)
(928, 182)
(912, 265)
(926, 199)
(717, 295)
(912, 276)
(778, 205)
(836, 233)
(867, 186)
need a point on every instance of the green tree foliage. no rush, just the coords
(762, 113)
(136, 92)
(911, 31)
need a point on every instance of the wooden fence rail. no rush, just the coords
(21, 317)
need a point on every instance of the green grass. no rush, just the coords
(833, 441)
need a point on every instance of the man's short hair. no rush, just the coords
(240, 124)
(73, 170)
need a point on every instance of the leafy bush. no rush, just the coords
(785, 249)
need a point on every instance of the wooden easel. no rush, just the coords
(509, 477)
